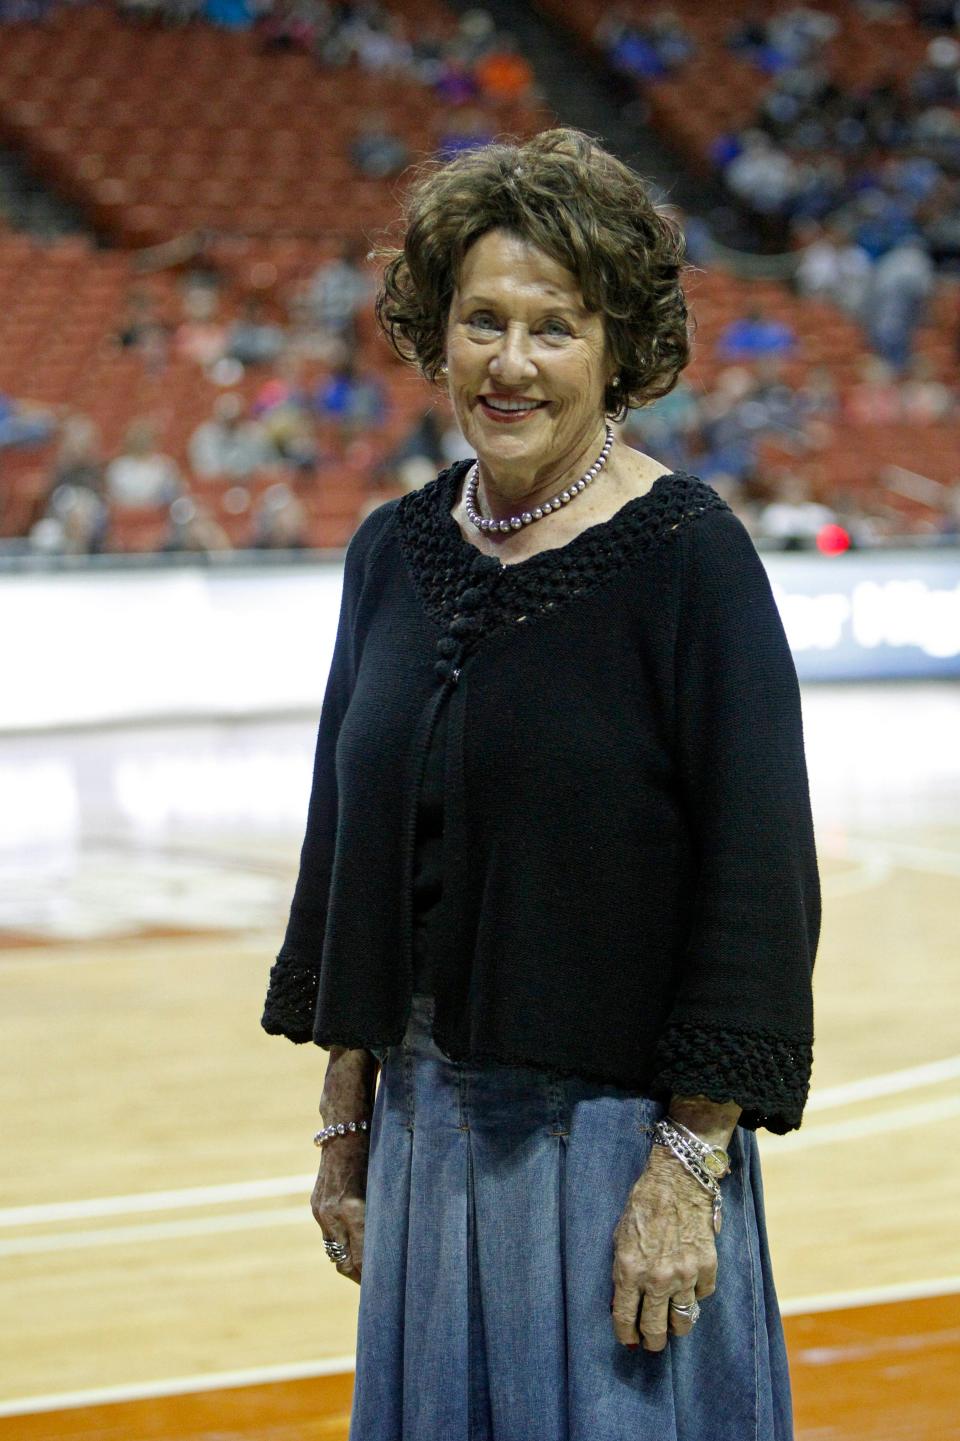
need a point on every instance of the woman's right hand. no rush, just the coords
(339, 1195)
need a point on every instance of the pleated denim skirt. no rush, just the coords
(493, 1192)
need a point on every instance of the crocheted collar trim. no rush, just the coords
(441, 561)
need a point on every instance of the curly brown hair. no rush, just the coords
(564, 193)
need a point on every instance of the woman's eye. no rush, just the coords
(556, 327)
(482, 320)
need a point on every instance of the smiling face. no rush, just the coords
(526, 366)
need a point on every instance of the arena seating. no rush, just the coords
(160, 134)
(717, 91)
(154, 132)
(60, 306)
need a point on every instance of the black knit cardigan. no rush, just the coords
(630, 881)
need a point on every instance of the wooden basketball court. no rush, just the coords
(160, 1271)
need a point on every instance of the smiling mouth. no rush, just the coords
(511, 411)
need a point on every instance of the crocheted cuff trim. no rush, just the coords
(766, 1073)
(291, 999)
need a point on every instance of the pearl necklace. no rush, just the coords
(516, 522)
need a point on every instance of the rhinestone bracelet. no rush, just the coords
(339, 1129)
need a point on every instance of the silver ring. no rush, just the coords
(336, 1250)
(689, 1313)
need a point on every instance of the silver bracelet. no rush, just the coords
(665, 1133)
(340, 1129)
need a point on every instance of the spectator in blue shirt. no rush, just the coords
(753, 336)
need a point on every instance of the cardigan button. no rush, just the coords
(445, 671)
(447, 646)
(470, 599)
(483, 565)
(464, 625)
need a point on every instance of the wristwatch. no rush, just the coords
(714, 1159)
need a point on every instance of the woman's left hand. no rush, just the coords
(664, 1250)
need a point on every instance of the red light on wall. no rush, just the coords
(832, 539)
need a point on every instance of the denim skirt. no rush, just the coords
(492, 1196)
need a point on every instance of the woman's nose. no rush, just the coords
(512, 363)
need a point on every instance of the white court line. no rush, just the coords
(178, 1386)
(871, 1296)
(892, 853)
(155, 1231)
(913, 1077)
(181, 1199)
(337, 1365)
(870, 872)
(889, 1084)
(860, 1126)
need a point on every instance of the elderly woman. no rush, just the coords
(558, 882)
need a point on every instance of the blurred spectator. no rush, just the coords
(284, 390)
(725, 442)
(427, 51)
(253, 340)
(227, 444)
(193, 529)
(936, 14)
(201, 336)
(947, 522)
(747, 35)
(284, 409)
(78, 461)
(818, 398)
(75, 523)
(379, 42)
(160, 12)
(900, 285)
(666, 427)
(455, 81)
(229, 14)
(376, 151)
(141, 475)
(833, 268)
(352, 398)
(24, 425)
(463, 129)
(790, 37)
(475, 35)
(338, 291)
(925, 400)
(423, 442)
(280, 521)
(937, 82)
(141, 330)
(761, 175)
(647, 50)
(797, 34)
(753, 336)
(502, 73)
(774, 406)
(875, 399)
(293, 25)
(794, 519)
